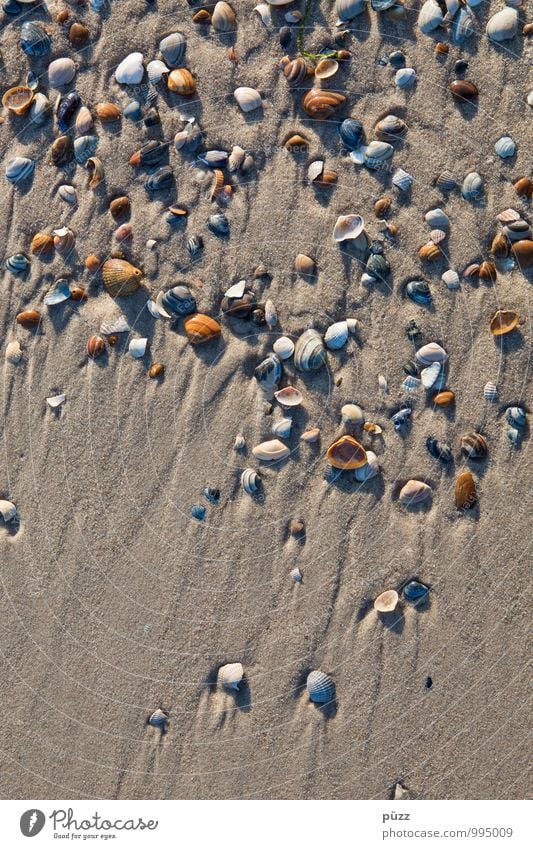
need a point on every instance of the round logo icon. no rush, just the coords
(32, 822)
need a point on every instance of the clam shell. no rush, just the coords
(522, 250)
(288, 396)
(402, 180)
(348, 9)
(120, 277)
(34, 41)
(55, 401)
(474, 445)
(405, 78)
(62, 150)
(271, 316)
(108, 112)
(387, 601)
(28, 319)
(84, 121)
(273, 449)
(95, 170)
(451, 278)
(336, 335)
(443, 399)
(346, 453)
(248, 99)
(503, 25)
(505, 147)
(39, 108)
(431, 353)
(84, 148)
(173, 48)
(310, 436)
(439, 450)
(152, 153)
(516, 416)
(250, 481)
(377, 153)
(181, 81)
(419, 291)
(8, 510)
(177, 301)
(348, 227)
(218, 224)
(17, 264)
(223, 18)
(18, 169)
(18, 99)
(42, 243)
(59, 293)
(351, 133)
(78, 34)
(263, 10)
(352, 414)
(430, 16)
(414, 592)
(137, 348)
(66, 109)
(390, 128)
(235, 159)
(430, 375)
(503, 321)
(326, 68)
(305, 265)
(282, 428)
(377, 266)
(320, 686)
(61, 72)
(369, 470)
(315, 170)
(294, 70)
(309, 351)
(13, 352)
(230, 675)
(321, 104)
(437, 219)
(490, 391)
(414, 492)
(283, 347)
(159, 719)
(95, 347)
(201, 328)
(465, 491)
(162, 178)
(131, 70)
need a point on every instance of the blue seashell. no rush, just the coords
(18, 263)
(159, 719)
(397, 59)
(11, 7)
(34, 41)
(439, 450)
(415, 591)
(66, 109)
(513, 435)
(320, 687)
(351, 133)
(84, 148)
(179, 301)
(419, 291)
(133, 110)
(212, 495)
(19, 168)
(162, 178)
(405, 77)
(472, 186)
(516, 416)
(505, 147)
(59, 293)
(218, 224)
(401, 417)
(198, 512)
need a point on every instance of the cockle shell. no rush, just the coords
(13, 352)
(230, 675)
(322, 104)
(283, 347)
(8, 511)
(119, 324)
(173, 48)
(451, 278)
(431, 353)
(346, 453)
(503, 321)
(131, 70)
(465, 491)
(120, 277)
(402, 180)
(288, 397)
(414, 492)
(137, 348)
(320, 686)
(369, 470)
(61, 72)
(247, 98)
(348, 227)
(201, 328)
(336, 335)
(223, 18)
(490, 391)
(18, 263)
(159, 719)
(505, 147)
(19, 169)
(503, 25)
(273, 449)
(309, 351)
(430, 16)
(411, 383)
(387, 601)
(474, 445)
(250, 481)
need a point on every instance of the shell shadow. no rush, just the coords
(394, 621)
(509, 342)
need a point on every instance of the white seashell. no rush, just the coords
(451, 9)
(19, 169)
(55, 401)
(437, 219)
(369, 470)
(296, 575)
(137, 348)
(315, 170)
(247, 98)
(358, 156)
(263, 10)
(437, 236)
(155, 70)
(13, 352)
(288, 397)
(411, 383)
(150, 244)
(273, 449)
(414, 492)
(431, 353)
(490, 392)
(503, 25)
(352, 324)
(383, 385)
(7, 510)
(223, 18)
(131, 70)
(237, 290)
(230, 676)
(472, 186)
(451, 278)
(283, 347)
(282, 428)
(239, 443)
(430, 375)
(505, 147)
(430, 16)
(402, 180)
(68, 194)
(235, 159)
(271, 316)
(336, 335)
(387, 601)
(352, 414)
(250, 481)
(40, 107)
(153, 309)
(61, 72)
(309, 351)
(348, 9)
(119, 324)
(84, 122)
(348, 227)
(530, 98)
(463, 26)
(405, 77)
(508, 216)
(377, 153)
(320, 687)
(399, 791)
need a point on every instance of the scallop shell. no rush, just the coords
(503, 25)
(465, 491)
(119, 324)
(283, 347)
(446, 181)
(348, 9)
(503, 321)
(13, 352)
(472, 186)
(387, 601)
(320, 686)
(322, 104)
(336, 335)
(120, 277)
(39, 108)
(223, 18)
(173, 48)
(402, 180)
(282, 428)
(451, 278)
(34, 41)
(230, 675)
(405, 78)
(248, 99)
(18, 99)
(309, 351)
(201, 328)
(18, 169)
(430, 16)
(505, 147)
(250, 481)
(369, 470)
(474, 445)
(414, 492)
(490, 391)
(348, 227)
(61, 72)
(159, 719)
(7, 510)
(346, 453)
(131, 70)
(273, 449)
(288, 396)
(351, 133)
(17, 264)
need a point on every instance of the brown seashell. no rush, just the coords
(78, 294)
(124, 232)
(78, 34)
(121, 278)
(95, 347)
(202, 17)
(386, 602)
(326, 68)
(18, 99)
(29, 318)
(296, 141)
(414, 492)
(429, 251)
(232, 56)
(321, 104)
(62, 150)
(344, 55)
(471, 271)
(113, 339)
(311, 435)
(474, 446)
(487, 271)
(305, 265)
(42, 243)
(326, 179)
(84, 121)
(464, 90)
(218, 184)
(201, 328)
(156, 370)
(503, 321)
(382, 206)
(443, 399)
(108, 112)
(346, 453)
(441, 48)
(62, 16)
(528, 29)
(524, 187)
(523, 252)
(95, 170)
(92, 262)
(500, 246)
(465, 491)
(295, 70)
(120, 207)
(181, 81)
(64, 240)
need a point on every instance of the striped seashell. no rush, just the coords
(181, 81)
(411, 383)
(390, 128)
(273, 449)
(320, 686)
(8, 511)
(120, 277)
(414, 492)
(61, 72)
(173, 48)
(64, 240)
(194, 246)
(336, 335)
(439, 450)
(321, 104)
(13, 352)
(377, 153)
(223, 18)
(430, 375)
(159, 719)
(503, 25)
(84, 148)
(472, 186)
(18, 169)
(463, 26)
(465, 491)
(201, 328)
(288, 397)
(131, 70)
(505, 147)
(431, 353)
(446, 181)
(405, 78)
(34, 41)
(282, 428)
(58, 294)
(451, 278)
(346, 453)
(68, 194)
(250, 481)
(419, 291)
(95, 347)
(503, 321)
(294, 70)
(352, 414)
(40, 108)
(387, 601)
(283, 347)
(402, 180)
(17, 264)
(516, 416)
(430, 16)
(248, 99)
(369, 470)
(474, 445)
(66, 109)
(309, 351)
(490, 391)
(430, 251)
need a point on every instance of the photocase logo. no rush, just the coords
(32, 822)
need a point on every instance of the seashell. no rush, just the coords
(29, 318)
(295, 142)
(310, 436)
(119, 324)
(84, 121)
(283, 347)
(152, 153)
(503, 25)
(288, 397)
(309, 351)
(336, 335)
(437, 236)
(239, 443)
(474, 446)
(64, 240)
(120, 277)
(95, 347)
(34, 41)
(17, 264)
(446, 181)
(218, 224)
(305, 265)
(282, 428)
(431, 353)
(238, 301)
(84, 148)
(156, 371)
(95, 170)
(443, 399)
(263, 10)
(173, 48)
(348, 9)
(162, 178)
(250, 481)
(430, 16)
(178, 301)
(18, 99)
(414, 592)
(108, 112)
(515, 231)
(224, 18)
(463, 26)
(414, 492)
(346, 453)
(61, 72)
(464, 90)
(295, 71)
(348, 227)
(513, 435)
(451, 278)
(402, 180)
(390, 128)
(321, 104)
(503, 321)
(8, 510)
(376, 153)
(369, 470)
(500, 246)
(194, 245)
(430, 251)
(247, 98)
(235, 159)
(156, 70)
(268, 372)
(13, 352)
(123, 233)
(273, 449)
(320, 686)
(315, 170)
(352, 414)
(419, 291)
(439, 450)
(410, 367)
(437, 219)
(430, 375)
(66, 109)
(230, 675)
(472, 186)
(387, 601)
(523, 252)
(39, 108)
(181, 81)
(490, 392)
(411, 383)
(524, 187)
(516, 416)
(78, 34)
(296, 575)
(159, 719)
(405, 78)
(505, 147)
(18, 169)
(382, 207)
(471, 272)
(42, 244)
(58, 294)
(120, 207)
(131, 70)
(383, 385)
(201, 328)
(487, 271)
(465, 491)
(137, 348)
(351, 133)
(62, 150)
(326, 68)
(271, 316)
(401, 417)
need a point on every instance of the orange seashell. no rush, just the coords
(500, 246)
(429, 251)
(346, 453)
(29, 318)
(42, 243)
(92, 262)
(181, 81)
(503, 321)
(202, 17)
(201, 328)
(441, 48)
(465, 491)
(327, 178)
(156, 370)
(124, 232)
(382, 207)
(321, 104)
(121, 278)
(305, 265)
(370, 427)
(524, 187)
(78, 294)
(487, 271)
(295, 70)
(18, 99)
(120, 207)
(311, 435)
(471, 271)
(344, 55)
(218, 184)
(95, 346)
(108, 112)
(78, 34)
(95, 169)
(62, 16)
(442, 399)
(296, 141)
(523, 252)
(232, 56)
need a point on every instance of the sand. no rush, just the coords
(114, 600)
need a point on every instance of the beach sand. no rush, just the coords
(114, 600)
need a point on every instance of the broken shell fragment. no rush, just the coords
(503, 321)
(8, 511)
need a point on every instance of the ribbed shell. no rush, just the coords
(336, 335)
(505, 147)
(159, 719)
(230, 675)
(446, 181)
(320, 686)
(120, 277)
(402, 180)
(201, 328)
(463, 26)
(430, 16)
(18, 263)
(322, 104)
(309, 351)
(474, 446)
(490, 391)
(250, 481)
(348, 9)
(173, 48)
(19, 168)
(472, 186)
(34, 41)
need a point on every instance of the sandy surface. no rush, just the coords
(114, 600)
